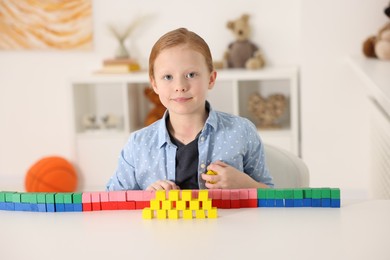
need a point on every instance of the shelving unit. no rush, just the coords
(122, 96)
(376, 76)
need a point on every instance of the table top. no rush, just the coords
(357, 230)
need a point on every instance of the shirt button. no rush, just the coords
(202, 138)
(202, 166)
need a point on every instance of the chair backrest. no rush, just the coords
(287, 169)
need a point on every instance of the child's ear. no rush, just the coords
(153, 84)
(213, 78)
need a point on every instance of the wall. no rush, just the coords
(317, 35)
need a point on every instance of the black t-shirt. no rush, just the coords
(187, 158)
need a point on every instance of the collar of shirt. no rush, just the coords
(163, 135)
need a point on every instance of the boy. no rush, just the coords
(176, 151)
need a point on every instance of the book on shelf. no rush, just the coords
(119, 66)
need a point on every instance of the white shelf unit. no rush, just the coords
(122, 95)
(376, 76)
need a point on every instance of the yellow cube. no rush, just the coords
(212, 213)
(186, 195)
(155, 204)
(147, 213)
(181, 205)
(194, 204)
(173, 214)
(207, 204)
(200, 213)
(173, 195)
(167, 205)
(187, 214)
(161, 214)
(161, 195)
(203, 195)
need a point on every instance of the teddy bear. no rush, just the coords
(378, 46)
(267, 110)
(157, 111)
(242, 53)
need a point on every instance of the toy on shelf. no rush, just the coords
(157, 110)
(378, 46)
(242, 53)
(51, 174)
(268, 110)
(91, 122)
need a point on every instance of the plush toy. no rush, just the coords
(268, 110)
(378, 46)
(242, 53)
(157, 111)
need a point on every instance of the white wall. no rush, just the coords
(35, 102)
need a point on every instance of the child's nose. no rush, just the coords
(181, 86)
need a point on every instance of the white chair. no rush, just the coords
(287, 169)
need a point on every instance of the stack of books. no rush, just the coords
(119, 66)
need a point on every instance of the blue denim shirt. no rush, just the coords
(149, 154)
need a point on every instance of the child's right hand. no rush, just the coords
(163, 185)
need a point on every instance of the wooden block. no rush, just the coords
(167, 205)
(244, 194)
(212, 213)
(104, 197)
(194, 204)
(161, 195)
(161, 214)
(200, 213)
(225, 194)
(126, 205)
(203, 195)
(173, 214)
(216, 194)
(187, 214)
(186, 195)
(234, 194)
(181, 205)
(207, 204)
(252, 194)
(173, 195)
(147, 213)
(155, 204)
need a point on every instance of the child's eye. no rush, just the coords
(168, 77)
(191, 75)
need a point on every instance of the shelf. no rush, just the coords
(376, 76)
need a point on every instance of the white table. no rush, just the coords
(358, 230)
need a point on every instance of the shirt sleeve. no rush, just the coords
(124, 175)
(254, 160)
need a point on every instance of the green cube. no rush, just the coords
(2, 196)
(325, 193)
(261, 194)
(307, 193)
(16, 197)
(270, 194)
(9, 196)
(59, 198)
(279, 194)
(335, 193)
(298, 193)
(50, 198)
(25, 197)
(68, 198)
(288, 193)
(77, 197)
(316, 193)
(41, 198)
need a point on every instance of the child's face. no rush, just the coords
(182, 80)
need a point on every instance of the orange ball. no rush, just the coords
(51, 174)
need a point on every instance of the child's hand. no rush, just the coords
(228, 177)
(163, 185)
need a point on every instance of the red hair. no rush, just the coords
(178, 37)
